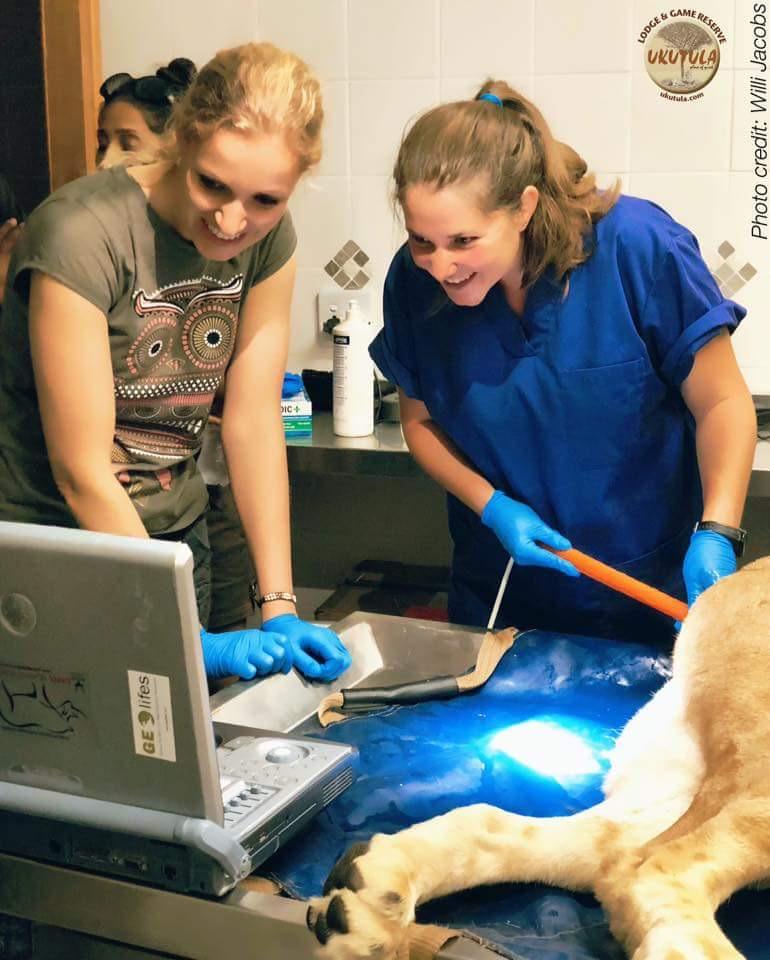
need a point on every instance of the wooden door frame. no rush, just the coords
(72, 68)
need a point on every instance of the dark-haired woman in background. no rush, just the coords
(135, 114)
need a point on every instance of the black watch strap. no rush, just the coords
(736, 535)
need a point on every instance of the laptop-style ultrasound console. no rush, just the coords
(108, 757)
(273, 784)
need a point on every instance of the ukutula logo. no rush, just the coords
(681, 52)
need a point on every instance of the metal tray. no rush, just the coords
(385, 649)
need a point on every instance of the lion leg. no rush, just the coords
(371, 894)
(662, 905)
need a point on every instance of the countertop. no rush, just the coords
(384, 454)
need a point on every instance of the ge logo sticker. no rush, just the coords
(681, 56)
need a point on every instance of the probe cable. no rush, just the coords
(491, 651)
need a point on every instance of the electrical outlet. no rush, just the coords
(333, 301)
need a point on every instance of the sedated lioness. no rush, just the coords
(685, 821)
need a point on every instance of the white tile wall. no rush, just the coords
(490, 38)
(668, 136)
(376, 226)
(335, 161)
(142, 35)
(587, 37)
(316, 30)
(590, 112)
(379, 111)
(322, 217)
(397, 38)
(383, 61)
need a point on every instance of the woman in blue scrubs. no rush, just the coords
(565, 372)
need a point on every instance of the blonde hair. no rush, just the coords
(255, 87)
(511, 147)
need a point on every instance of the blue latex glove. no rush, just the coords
(317, 652)
(292, 385)
(709, 557)
(517, 527)
(245, 653)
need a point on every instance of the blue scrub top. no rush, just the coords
(574, 408)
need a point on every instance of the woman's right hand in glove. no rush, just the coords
(245, 653)
(518, 528)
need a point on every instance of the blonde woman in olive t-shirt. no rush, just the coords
(133, 293)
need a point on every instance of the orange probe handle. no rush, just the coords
(621, 582)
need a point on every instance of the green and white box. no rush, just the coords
(297, 413)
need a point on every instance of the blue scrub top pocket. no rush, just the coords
(602, 412)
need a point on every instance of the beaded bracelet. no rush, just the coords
(267, 597)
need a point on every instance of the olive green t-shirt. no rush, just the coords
(172, 318)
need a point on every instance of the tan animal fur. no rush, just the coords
(685, 822)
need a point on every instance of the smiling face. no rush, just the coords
(236, 185)
(461, 246)
(123, 135)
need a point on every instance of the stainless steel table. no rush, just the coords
(105, 916)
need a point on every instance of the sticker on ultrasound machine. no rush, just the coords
(151, 715)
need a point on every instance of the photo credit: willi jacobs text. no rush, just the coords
(758, 105)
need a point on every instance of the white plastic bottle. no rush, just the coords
(353, 377)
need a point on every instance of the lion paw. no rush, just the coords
(368, 902)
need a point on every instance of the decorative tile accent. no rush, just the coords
(747, 272)
(730, 279)
(346, 267)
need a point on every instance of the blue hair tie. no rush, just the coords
(492, 98)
